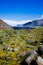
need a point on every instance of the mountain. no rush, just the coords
(4, 25)
(29, 25)
(34, 23)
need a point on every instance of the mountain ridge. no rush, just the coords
(28, 25)
(33, 23)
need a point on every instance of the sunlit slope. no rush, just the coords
(4, 25)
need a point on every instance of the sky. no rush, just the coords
(20, 11)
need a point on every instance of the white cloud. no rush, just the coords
(15, 23)
(11, 22)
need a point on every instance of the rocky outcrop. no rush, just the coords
(34, 57)
(39, 61)
(33, 54)
(30, 58)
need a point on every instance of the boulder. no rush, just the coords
(33, 54)
(39, 61)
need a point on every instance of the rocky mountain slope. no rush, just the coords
(34, 23)
(4, 25)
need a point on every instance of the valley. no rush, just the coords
(15, 45)
(20, 45)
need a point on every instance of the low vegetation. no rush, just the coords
(13, 42)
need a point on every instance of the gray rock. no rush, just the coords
(39, 61)
(33, 54)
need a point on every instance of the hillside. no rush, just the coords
(4, 25)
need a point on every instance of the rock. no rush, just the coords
(23, 53)
(40, 50)
(33, 54)
(30, 59)
(39, 61)
(16, 49)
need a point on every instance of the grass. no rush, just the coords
(12, 42)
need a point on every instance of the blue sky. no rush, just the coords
(19, 10)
